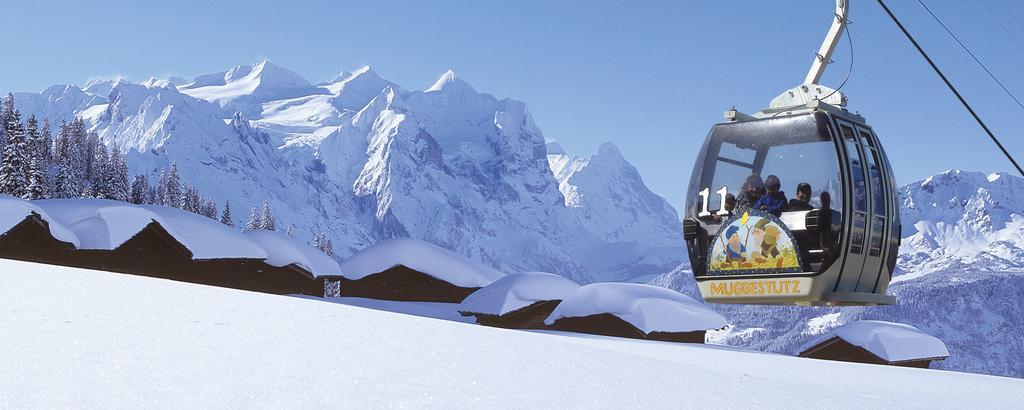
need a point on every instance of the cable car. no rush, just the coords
(795, 204)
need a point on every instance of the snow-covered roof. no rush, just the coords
(649, 308)
(283, 250)
(105, 225)
(893, 342)
(420, 256)
(14, 210)
(517, 291)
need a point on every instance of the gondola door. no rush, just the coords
(858, 207)
(878, 221)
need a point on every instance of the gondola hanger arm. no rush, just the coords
(810, 90)
(824, 55)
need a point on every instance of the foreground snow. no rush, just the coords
(78, 338)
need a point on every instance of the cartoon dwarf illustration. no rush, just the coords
(756, 239)
(769, 245)
(734, 250)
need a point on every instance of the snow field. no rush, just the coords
(80, 338)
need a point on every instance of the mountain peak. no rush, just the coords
(554, 148)
(609, 151)
(448, 80)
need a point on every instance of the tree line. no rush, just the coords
(77, 164)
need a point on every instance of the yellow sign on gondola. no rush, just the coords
(754, 243)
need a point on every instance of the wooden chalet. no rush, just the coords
(528, 317)
(518, 301)
(635, 311)
(31, 240)
(412, 270)
(877, 342)
(402, 283)
(608, 324)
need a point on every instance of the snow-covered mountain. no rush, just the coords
(363, 159)
(960, 277)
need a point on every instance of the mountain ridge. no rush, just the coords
(363, 159)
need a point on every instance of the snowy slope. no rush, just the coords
(81, 338)
(363, 159)
(959, 278)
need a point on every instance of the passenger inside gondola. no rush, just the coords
(750, 193)
(774, 201)
(730, 206)
(803, 198)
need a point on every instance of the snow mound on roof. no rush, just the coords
(14, 210)
(103, 224)
(517, 291)
(649, 308)
(893, 342)
(283, 250)
(420, 256)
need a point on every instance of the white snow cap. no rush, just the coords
(421, 256)
(649, 308)
(14, 210)
(105, 225)
(283, 250)
(517, 291)
(447, 80)
(893, 342)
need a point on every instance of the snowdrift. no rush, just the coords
(648, 308)
(14, 210)
(421, 256)
(517, 291)
(104, 225)
(283, 250)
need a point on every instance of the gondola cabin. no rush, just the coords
(795, 205)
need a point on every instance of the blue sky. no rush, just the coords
(652, 77)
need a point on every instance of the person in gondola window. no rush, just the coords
(774, 201)
(751, 191)
(730, 206)
(803, 198)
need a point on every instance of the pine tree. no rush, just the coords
(140, 190)
(37, 166)
(267, 220)
(44, 144)
(70, 160)
(161, 190)
(329, 247)
(190, 200)
(15, 166)
(225, 217)
(254, 220)
(210, 209)
(172, 188)
(89, 148)
(117, 177)
(323, 244)
(98, 178)
(46, 157)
